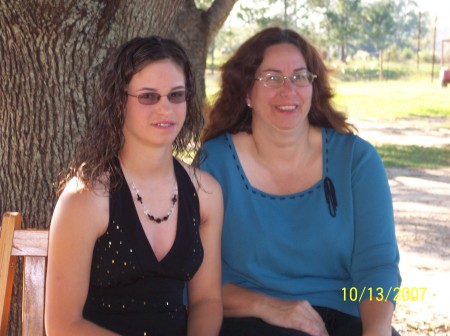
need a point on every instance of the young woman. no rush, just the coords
(133, 224)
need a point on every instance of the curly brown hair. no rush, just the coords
(230, 112)
(104, 137)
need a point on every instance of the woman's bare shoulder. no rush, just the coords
(79, 205)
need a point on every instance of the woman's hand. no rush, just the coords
(298, 314)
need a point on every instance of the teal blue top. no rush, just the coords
(300, 246)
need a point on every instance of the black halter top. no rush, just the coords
(130, 291)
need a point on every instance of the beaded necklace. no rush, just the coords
(157, 220)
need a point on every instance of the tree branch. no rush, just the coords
(216, 15)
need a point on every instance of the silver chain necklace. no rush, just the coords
(157, 220)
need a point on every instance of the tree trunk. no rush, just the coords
(380, 64)
(50, 56)
(343, 53)
(195, 29)
(50, 52)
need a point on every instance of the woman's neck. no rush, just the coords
(281, 163)
(280, 147)
(147, 164)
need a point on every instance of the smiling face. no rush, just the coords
(286, 107)
(157, 124)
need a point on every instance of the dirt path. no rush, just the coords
(422, 212)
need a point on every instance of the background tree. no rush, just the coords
(50, 52)
(332, 25)
(292, 14)
(405, 15)
(379, 27)
(342, 22)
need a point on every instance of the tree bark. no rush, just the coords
(50, 53)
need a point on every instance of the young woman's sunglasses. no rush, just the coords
(151, 98)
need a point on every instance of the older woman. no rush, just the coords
(308, 210)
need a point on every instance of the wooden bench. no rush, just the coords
(31, 245)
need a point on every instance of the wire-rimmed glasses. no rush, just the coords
(275, 80)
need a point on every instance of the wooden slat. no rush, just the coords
(33, 296)
(10, 222)
(30, 242)
(32, 246)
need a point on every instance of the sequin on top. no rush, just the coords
(130, 291)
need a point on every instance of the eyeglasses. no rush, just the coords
(151, 98)
(276, 80)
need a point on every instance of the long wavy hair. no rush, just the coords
(104, 138)
(230, 112)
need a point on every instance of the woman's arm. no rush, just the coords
(79, 218)
(204, 289)
(376, 317)
(293, 314)
(375, 253)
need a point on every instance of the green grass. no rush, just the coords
(414, 156)
(389, 100)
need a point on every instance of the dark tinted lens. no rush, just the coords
(149, 98)
(177, 97)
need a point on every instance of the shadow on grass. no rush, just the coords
(414, 156)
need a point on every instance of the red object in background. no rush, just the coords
(444, 75)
